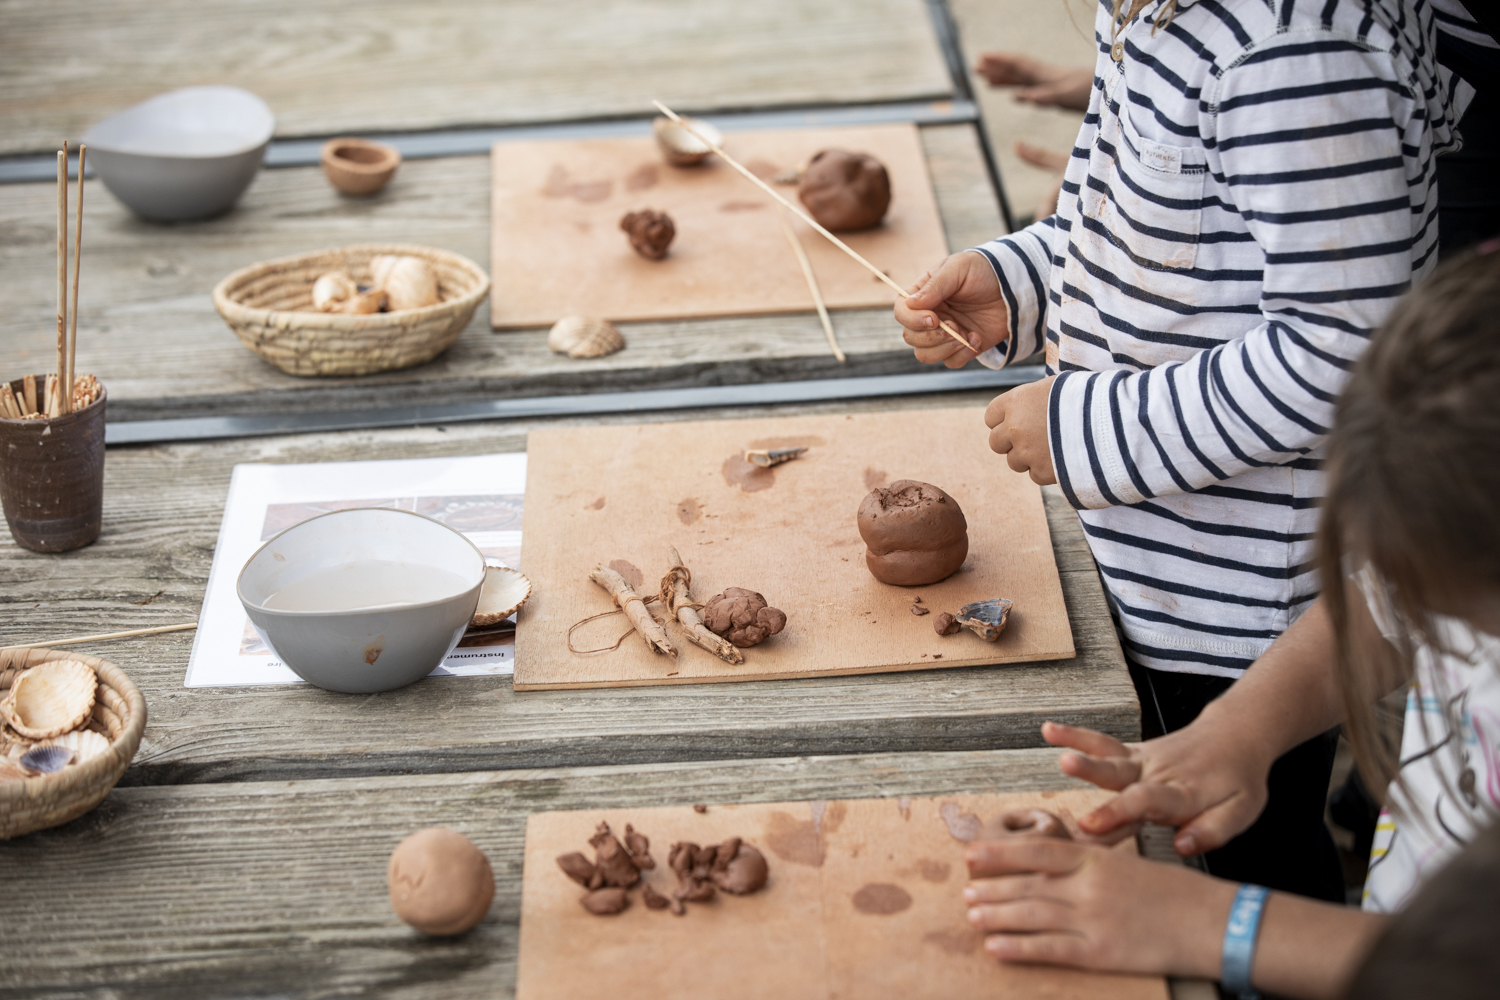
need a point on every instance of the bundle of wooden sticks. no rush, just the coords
(60, 393)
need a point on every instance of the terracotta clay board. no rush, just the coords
(629, 492)
(558, 249)
(810, 933)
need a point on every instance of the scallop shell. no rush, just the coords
(987, 619)
(503, 592)
(47, 759)
(408, 282)
(85, 744)
(332, 290)
(679, 146)
(50, 698)
(363, 302)
(584, 337)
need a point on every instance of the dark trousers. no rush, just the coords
(1288, 847)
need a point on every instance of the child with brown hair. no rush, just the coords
(1409, 556)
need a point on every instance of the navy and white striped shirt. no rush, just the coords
(1251, 191)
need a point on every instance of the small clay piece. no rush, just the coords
(408, 282)
(914, 533)
(678, 597)
(692, 865)
(742, 616)
(986, 619)
(635, 609)
(650, 232)
(653, 899)
(357, 166)
(440, 883)
(739, 869)
(638, 846)
(918, 610)
(700, 808)
(612, 860)
(845, 191)
(581, 870)
(332, 290)
(605, 902)
(584, 337)
(768, 458)
(682, 148)
(1026, 823)
(945, 624)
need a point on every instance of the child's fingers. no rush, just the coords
(1213, 828)
(1089, 741)
(1113, 773)
(1002, 890)
(1055, 948)
(1152, 802)
(1023, 916)
(1018, 855)
(994, 414)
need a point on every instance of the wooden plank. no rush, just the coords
(861, 901)
(148, 328)
(629, 493)
(150, 566)
(386, 65)
(558, 249)
(278, 888)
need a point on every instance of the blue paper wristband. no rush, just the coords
(1239, 939)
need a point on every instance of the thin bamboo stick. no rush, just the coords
(73, 306)
(8, 401)
(812, 284)
(106, 635)
(879, 274)
(28, 393)
(62, 266)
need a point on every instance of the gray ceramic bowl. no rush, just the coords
(391, 626)
(185, 154)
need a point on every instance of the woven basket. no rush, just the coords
(119, 713)
(269, 307)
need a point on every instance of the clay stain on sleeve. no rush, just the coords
(881, 899)
(689, 510)
(962, 826)
(629, 571)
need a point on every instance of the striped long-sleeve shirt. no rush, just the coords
(1251, 191)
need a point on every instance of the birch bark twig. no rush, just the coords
(677, 595)
(635, 609)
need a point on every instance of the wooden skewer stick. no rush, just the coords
(879, 274)
(62, 265)
(107, 635)
(812, 284)
(73, 306)
(28, 393)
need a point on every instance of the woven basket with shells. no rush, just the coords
(69, 726)
(270, 307)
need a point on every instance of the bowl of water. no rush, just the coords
(363, 600)
(186, 154)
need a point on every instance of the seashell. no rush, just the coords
(50, 698)
(679, 146)
(364, 301)
(47, 759)
(987, 619)
(332, 290)
(408, 282)
(501, 595)
(584, 337)
(85, 744)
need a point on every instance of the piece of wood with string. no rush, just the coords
(635, 609)
(677, 595)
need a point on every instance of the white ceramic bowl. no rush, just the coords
(185, 154)
(370, 647)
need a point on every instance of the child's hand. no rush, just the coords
(1060, 902)
(1040, 83)
(964, 291)
(1204, 779)
(1018, 430)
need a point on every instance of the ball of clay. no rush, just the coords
(1026, 823)
(440, 882)
(650, 232)
(914, 533)
(845, 191)
(739, 869)
(605, 902)
(742, 617)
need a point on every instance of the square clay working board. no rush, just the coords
(863, 900)
(625, 494)
(558, 250)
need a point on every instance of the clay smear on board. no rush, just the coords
(955, 942)
(876, 478)
(641, 178)
(629, 571)
(747, 476)
(881, 899)
(934, 871)
(561, 185)
(962, 826)
(805, 842)
(596, 505)
(689, 510)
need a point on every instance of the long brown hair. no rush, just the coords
(1414, 489)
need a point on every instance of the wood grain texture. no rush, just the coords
(862, 901)
(558, 249)
(150, 567)
(148, 328)
(384, 65)
(278, 888)
(595, 495)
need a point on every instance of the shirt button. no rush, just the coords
(1117, 52)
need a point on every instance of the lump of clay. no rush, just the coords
(605, 902)
(738, 868)
(692, 865)
(1026, 823)
(581, 870)
(638, 846)
(945, 624)
(653, 899)
(845, 191)
(440, 883)
(914, 534)
(742, 617)
(650, 232)
(612, 860)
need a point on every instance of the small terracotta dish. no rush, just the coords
(359, 167)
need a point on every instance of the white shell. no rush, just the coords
(331, 290)
(50, 699)
(584, 337)
(85, 744)
(408, 282)
(501, 595)
(680, 147)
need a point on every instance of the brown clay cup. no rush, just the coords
(358, 166)
(52, 477)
